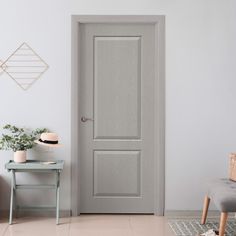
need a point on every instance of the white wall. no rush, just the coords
(200, 85)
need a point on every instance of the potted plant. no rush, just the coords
(19, 140)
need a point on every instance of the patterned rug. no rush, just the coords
(193, 227)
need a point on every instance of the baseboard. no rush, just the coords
(63, 213)
(194, 214)
(168, 213)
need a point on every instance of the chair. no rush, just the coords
(223, 193)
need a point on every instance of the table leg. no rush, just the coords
(57, 197)
(12, 196)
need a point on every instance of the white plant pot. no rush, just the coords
(20, 156)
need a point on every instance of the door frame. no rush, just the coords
(159, 103)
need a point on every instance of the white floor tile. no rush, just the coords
(88, 225)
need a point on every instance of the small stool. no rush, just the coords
(223, 193)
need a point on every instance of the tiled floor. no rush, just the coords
(89, 225)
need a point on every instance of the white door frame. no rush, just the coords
(159, 126)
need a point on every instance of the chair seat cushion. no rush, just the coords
(223, 193)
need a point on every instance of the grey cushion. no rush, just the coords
(223, 193)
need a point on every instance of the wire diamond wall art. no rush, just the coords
(24, 66)
(2, 67)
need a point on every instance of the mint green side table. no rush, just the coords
(34, 166)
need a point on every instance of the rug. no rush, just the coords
(193, 227)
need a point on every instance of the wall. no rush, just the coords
(200, 82)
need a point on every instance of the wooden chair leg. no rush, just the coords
(223, 220)
(205, 209)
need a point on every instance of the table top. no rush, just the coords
(34, 165)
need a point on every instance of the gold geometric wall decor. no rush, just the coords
(24, 66)
(2, 67)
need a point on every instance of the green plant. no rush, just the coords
(19, 139)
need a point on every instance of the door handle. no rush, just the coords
(85, 119)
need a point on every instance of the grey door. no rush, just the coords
(116, 100)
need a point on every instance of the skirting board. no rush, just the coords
(168, 214)
(51, 213)
(193, 214)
